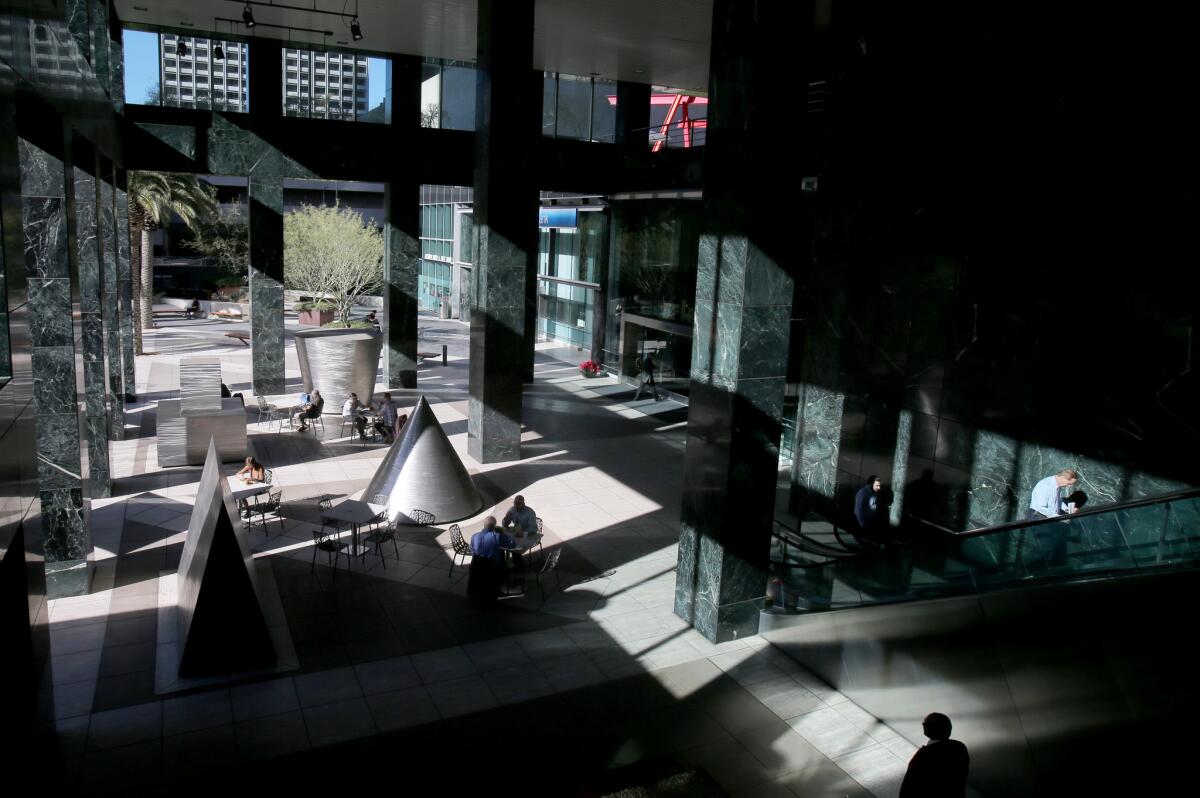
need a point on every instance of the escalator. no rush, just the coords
(1150, 535)
(1062, 649)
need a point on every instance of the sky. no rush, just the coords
(141, 69)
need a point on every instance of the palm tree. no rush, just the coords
(153, 198)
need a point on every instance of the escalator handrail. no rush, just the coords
(1164, 498)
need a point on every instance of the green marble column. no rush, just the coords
(61, 484)
(125, 288)
(266, 275)
(743, 316)
(91, 313)
(401, 269)
(114, 368)
(505, 215)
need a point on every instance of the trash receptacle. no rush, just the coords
(445, 310)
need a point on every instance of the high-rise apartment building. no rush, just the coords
(324, 85)
(203, 73)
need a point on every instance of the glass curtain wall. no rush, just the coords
(652, 286)
(436, 282)
(448, 94)
(335, 85)
(186, 71)
(568, 278)
(579, 108)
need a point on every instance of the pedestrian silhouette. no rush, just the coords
(939, 768)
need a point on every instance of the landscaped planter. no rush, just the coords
(337, 362)
(315, 318)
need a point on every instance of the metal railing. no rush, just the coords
(1144, 536)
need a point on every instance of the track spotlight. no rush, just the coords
(355, 29)
(218, 51)
(248, 16)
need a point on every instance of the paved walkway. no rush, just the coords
(600, 673)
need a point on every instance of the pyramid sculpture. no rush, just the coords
(422, 472)
(222, 623)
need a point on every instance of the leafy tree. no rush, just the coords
(431, 115)
(225, 238)
(153, 198)
(331, 252)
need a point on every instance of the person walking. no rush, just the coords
(939, 768)
(646, 378)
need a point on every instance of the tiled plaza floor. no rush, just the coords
(399, 673)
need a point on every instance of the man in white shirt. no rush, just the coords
(1046, 501)
(522, 516)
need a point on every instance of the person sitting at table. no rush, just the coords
(374, 322)
(313, 409)
(401, 420)
(352, 408)
(386, 423)
(487, 561)
(252, 471)
(192, 310)
(521, 516)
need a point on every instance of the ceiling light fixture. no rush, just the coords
(248, 16)
(218, 50)
(182, 49)
(355, 30)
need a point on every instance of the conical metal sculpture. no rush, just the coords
(222, 621)
(422, 472)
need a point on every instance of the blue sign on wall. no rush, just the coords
(558, 217)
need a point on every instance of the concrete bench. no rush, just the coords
(244, 337)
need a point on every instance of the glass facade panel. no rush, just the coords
(357, 97)
(573, 117)
(458, 97)
(604, 111)
(549, 99)
(169, 70)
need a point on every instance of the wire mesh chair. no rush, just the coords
(550, 564)
(422, 517)
(382, 530)
(459, 544)
(271, 505)
(326, 521)
(269, 412)
(333, 548)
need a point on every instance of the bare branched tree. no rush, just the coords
(332, 253)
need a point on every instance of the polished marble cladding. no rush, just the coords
(62, 482)
(743, 319)
(401, 270)
(505, 218)
(266, 275)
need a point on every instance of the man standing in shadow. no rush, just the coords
(939, 768)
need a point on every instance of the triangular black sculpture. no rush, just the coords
(222, 623)
(423, 472)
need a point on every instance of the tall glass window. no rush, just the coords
(579, 108)
(335, 85)
(448, 94)
(186, 71)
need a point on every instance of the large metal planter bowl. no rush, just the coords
(338, 362)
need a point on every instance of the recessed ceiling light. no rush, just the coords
(639, 71)
(187, 24)
(140, 8)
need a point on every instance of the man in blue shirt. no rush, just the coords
(521, 516)
(1046, 501)
(487, 561)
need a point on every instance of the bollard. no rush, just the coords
(443, 354)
